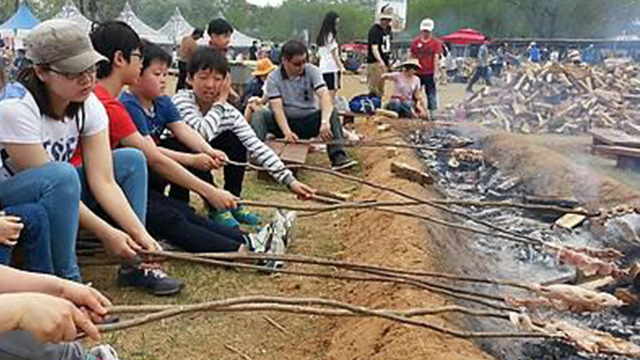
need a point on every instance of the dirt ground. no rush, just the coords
(362, 236)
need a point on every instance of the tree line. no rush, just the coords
(498, 18)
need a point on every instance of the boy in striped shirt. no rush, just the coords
(205, 109)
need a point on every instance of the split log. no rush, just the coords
(410, 173)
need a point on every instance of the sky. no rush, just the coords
(265, 2)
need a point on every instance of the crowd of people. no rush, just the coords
(89, 139)
(72, 138)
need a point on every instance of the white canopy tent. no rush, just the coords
(144, 31)
(177, 27)
(71, 12)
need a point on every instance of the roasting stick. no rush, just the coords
(316, 307)
(505, 234)
(369, 143)
(502, 231)
(377, 204)
(463, 294)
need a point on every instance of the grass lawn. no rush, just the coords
(204, 336)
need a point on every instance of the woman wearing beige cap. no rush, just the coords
(53, 109)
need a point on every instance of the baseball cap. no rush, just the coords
(386, 13)
(62, 45)
(427, 24)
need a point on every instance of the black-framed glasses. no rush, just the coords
(138, 55)
(90, 72)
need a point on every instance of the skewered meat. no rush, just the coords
(603, 254)
(567, 297)
(589, 265)
(592, 341)
(468, 155)
(576, 298)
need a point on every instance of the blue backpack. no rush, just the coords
(365, 104)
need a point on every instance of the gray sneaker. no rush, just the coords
(284, 222)
(258, 241)
(278, 230)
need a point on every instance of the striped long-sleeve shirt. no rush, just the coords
(224, 117)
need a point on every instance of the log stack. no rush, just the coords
(558, 98)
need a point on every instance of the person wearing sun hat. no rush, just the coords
(407, 97)
(254, 92)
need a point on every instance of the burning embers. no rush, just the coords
(470, 157)
(462, 172)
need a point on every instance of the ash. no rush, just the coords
(493, 257)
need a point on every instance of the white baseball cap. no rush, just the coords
(386, 13)
(427, 24)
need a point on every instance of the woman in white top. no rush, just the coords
(329, 52)
(43, 118)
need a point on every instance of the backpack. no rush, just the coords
(365, 104)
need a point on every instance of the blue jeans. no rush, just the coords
(130, 170)
(54, 186)
(403, 108)
(35, 240)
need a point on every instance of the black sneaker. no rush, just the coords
(342, 162)
(155, 281)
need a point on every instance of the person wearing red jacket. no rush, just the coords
(427, 49)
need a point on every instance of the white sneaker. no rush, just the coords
(102, 352)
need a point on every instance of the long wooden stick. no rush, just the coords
(505, 234)
(462, 294)
(377, 204)
(304, 259)
(369, 143)
(359, 310)
(238, 352)
(248, 303)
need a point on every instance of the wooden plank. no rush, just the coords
(570, 221)
(276, 146)
(614, 137)
(618, 151)
(295, 153)
(288, 153)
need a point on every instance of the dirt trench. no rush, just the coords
(395, 241)
(389, 240)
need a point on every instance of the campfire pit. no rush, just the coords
(467, 174)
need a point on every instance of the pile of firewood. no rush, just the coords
(559, 98)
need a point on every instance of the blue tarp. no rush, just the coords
(23, 19)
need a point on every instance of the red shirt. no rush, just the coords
(120, 123)
(425, 52)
